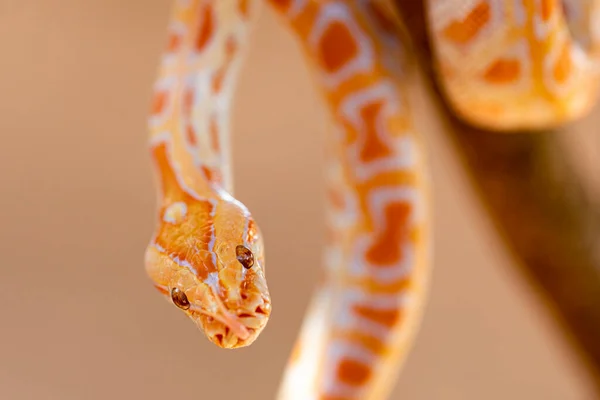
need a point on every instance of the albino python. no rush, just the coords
(503, 64)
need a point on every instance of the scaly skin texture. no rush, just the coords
(517, 64)
(206, 255)
(364, 314)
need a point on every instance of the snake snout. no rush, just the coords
(231, 334)
(237, 324)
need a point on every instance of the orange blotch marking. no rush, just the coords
(462, 32)
(564, 65)
(243, 6)
(373, 147)
(503, 71)
(190, 135)
(173, 43)
(214, 134)
(547, 8)
(337, 46)
(159, 102)
(372, 286)
(350, 133)
(353, 372)
(211, 175)
(188, 101)
(387, 248)
(218, 78)
(372, 343)
(387, 318)
(386, 178)
(281, 5)
(207, 28)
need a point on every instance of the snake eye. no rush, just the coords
(180, 299)
(244, 256)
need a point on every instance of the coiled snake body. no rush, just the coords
(504, 64)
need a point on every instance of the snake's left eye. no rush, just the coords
(244, 256)
(180, 299)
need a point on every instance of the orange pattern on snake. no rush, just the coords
(505, 64)
(517, 64)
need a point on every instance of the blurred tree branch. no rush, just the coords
(538, 204)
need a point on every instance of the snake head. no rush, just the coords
(208, 261)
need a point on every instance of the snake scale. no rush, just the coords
(503, 65)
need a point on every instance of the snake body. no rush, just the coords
(504, 64)
(517, 64)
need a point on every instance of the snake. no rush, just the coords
(504, 65)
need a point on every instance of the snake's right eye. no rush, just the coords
(180, 299)
(244, 256)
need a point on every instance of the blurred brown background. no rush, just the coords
(80, 320)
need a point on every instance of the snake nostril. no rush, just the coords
(219, 338)
(259, 310)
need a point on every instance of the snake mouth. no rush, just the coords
(231, 330)
(229, 340)
(224, 336)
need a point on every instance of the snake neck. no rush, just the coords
(192, 97)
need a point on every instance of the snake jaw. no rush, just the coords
(230, 314)
(236, 327)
